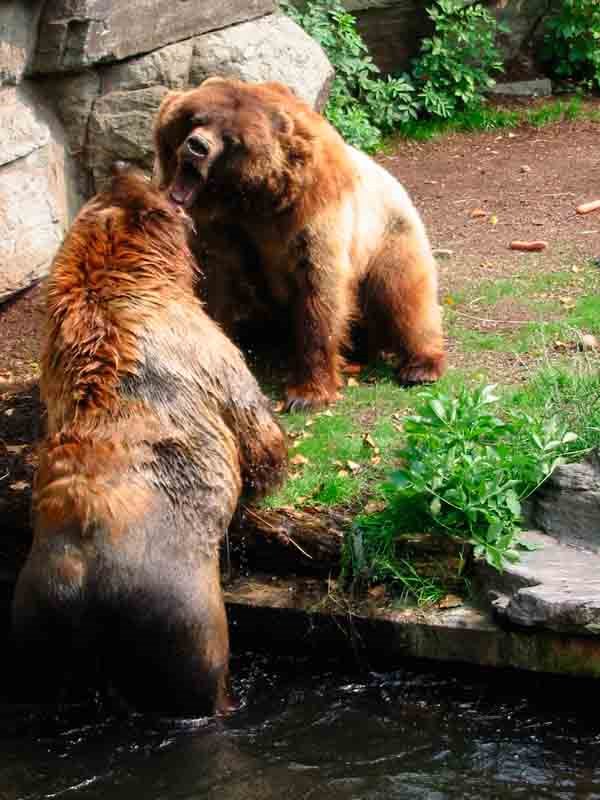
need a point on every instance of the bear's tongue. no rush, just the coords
(185, 186)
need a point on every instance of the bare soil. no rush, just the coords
(527, 181)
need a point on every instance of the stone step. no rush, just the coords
(554, 586)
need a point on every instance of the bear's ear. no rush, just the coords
(167, 106)
(215, 79)
(281, 121)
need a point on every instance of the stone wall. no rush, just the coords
(81, 81)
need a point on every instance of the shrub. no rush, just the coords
(572, 41)
(464, 473)
(456, 63)
(363, 105)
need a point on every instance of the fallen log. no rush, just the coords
(310, 541)
(304, 541)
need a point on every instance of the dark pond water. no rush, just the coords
(306, 733)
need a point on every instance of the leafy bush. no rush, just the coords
(464, 474)
(363, 105)
(456, 64)
(572, 41)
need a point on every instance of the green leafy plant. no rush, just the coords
(572, 41)
(457, 63)
(465, 472)
(363, 105)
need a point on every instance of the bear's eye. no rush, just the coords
(231, 140)
(201, 118)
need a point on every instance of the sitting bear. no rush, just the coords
(155, 427)
(336, 236)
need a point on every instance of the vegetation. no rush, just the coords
(444, 90)
(572, 42)
(363, 105)
(457, 63)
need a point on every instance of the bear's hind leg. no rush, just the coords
(400, 306)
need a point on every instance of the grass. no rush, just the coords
(489, 118)
(340, 455)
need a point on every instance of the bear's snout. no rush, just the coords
(197, 146)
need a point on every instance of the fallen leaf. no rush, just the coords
(368, 441)
(309, 422)
(353, 466)
(374, 506)
(19, 486)
(575, 269)
(342, 473)
(567, 302)
(442, 252)
(9, 412)
(15, 449)
(375, 460)
(589, 342)
(377, 592)
(525, 168)
(451, 601)
(328, 413)
(353, 382)
(299, 460)
(493, 220)
(477, 213)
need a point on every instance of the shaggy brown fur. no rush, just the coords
(335, 235)
(155, 427)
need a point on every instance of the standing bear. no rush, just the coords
(155, 427)
(336, 236)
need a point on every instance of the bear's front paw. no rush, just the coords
(308, 398)
(426, 370)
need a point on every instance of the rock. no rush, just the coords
(120, 128)
(37, 191)
(271, 48)
(169, 66)
(23, 128)
(567, 505)
(34, 213)
(541, 87)
(74, 34)
(555, 587)
(73, 97)
(589, 342)
(18, 27)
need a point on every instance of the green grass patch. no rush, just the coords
(489, 118)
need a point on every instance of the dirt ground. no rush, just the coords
(524, 184)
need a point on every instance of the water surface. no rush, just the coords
(305, 732)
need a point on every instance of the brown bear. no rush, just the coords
(336, 236)
(155, 428)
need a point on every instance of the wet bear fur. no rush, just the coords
(336, 237)
(155, 428)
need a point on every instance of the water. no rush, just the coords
(302, 732)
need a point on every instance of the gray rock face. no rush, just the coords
(170, 66)
(270, 49)
(555, 587)
(74, 34)
(120, 127)
(18, 27)
(567, 506)
(540, 87)
(37, 191)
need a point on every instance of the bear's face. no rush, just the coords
(225, 135)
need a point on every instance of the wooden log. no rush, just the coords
(281, 541)
(310, 541)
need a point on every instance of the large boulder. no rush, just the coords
(18, 26)
(37, 192)
(273, 48)
(74, 34)
(121, 128)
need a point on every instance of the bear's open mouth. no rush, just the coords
(186, 185)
